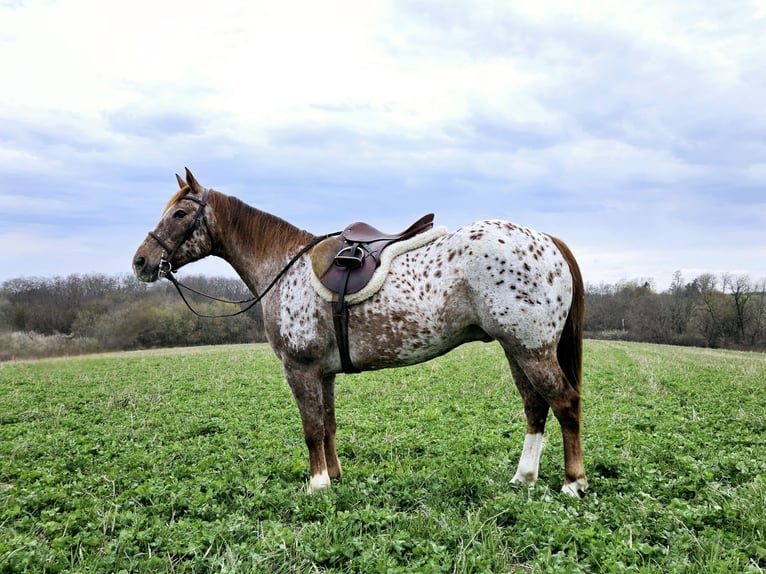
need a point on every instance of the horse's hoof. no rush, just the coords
(529, 479)
(575, 489)
(319, 482)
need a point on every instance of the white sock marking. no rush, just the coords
(319, 482)
(529, 463)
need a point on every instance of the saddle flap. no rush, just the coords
(335, 262)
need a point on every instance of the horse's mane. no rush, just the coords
(247, 221)
(268, 232)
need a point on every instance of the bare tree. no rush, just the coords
(710, 308)
(758, 314)
(741, 290)
(681, 306)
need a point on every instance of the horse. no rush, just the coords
(490, 280)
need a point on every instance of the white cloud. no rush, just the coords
(23, 204)
(596, 121)
(12, 159)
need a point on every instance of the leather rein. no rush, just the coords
(166, 269)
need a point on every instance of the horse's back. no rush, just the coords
(488, 279)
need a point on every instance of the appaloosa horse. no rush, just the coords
(490, 280)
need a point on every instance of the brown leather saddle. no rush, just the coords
(357, 254)
(353, 259)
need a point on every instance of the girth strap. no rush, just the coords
(340, 321)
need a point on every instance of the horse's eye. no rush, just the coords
(180, 214)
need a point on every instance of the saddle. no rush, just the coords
(350, 260)
(345, 265)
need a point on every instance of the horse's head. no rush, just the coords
(181, 236)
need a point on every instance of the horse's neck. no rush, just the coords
(255, 243)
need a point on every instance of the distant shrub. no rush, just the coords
(30, 345)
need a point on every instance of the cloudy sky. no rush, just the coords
(635, 131)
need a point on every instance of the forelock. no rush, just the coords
(178, 195)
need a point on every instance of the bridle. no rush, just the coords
(166, 268)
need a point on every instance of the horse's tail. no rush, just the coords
(569, 351)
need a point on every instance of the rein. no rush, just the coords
(251, 302)
(166, 269)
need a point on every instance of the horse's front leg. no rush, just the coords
(331, 456)
(307, 385)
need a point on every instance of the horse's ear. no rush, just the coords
(181, 182)
(193, 183)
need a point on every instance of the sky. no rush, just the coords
(634, 131)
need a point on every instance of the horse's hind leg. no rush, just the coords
(540, 370)
(536, 411)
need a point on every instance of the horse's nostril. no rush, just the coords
(139, 262)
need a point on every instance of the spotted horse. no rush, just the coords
(489, 280)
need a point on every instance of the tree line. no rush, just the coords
(725, 311)
(91, 313)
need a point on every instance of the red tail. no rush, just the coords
(569, 352)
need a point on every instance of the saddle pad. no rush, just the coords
(379, 277)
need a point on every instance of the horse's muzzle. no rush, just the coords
(143, 270)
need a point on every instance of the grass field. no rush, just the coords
(193, 461)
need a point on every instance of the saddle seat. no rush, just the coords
(362, 232)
